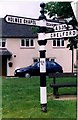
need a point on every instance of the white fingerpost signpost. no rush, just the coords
(61, 30)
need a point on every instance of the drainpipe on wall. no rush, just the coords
(72, 60)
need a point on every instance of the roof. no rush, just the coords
(5, 52)
(14, 30)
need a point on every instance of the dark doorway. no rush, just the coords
(0, 65)
(4, 55)
(3, 66)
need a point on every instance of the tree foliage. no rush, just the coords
(60, 8)
(72, 43)
(63, 10)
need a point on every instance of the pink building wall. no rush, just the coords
(24, 56)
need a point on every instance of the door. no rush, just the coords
(4, 66)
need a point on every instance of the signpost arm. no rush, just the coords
(42, 42)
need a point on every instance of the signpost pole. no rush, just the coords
(42, 42)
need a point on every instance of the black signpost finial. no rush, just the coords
(42, 11)
(42, 17)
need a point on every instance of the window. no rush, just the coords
(2, 43)
(54, 42)
(58, 43)
(27, 43)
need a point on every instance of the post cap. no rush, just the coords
(42, 5)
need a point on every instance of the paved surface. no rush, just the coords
(66, 97)
(63, 97)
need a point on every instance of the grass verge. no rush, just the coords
(21, 99)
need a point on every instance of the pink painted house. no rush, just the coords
(19, 48)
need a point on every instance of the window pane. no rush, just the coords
(0, 44)
(3, 44)
(22, 43)
(62, 42)
(54, 42)
(31, 42)
(27, 42)
(58, 42)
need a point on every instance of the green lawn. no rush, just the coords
(21, 99)
(0, 97)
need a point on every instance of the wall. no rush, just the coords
(24, 57)
(21, 57)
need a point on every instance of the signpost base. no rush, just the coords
(44, 107)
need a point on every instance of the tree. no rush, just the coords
(71, 46)
(60, 8)
(63, 10)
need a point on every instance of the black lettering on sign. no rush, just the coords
(64, 27)
(49, 24)
(63, 33)
(74, 32)
(25, 21)
(54, 34)
(66, 33)
(60, 34)
(16, 19)
(59, 27)
(57, 35)
(34, 22)
(70, 33)
(51, 35)
(10, 19)
(56, 28)
(29, 21)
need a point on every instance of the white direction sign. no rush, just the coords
(62, 27)
(62, 34)
(20, 20)
(57, 26)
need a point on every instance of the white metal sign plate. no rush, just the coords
(42, 65)
(34, 22)
(62, 34)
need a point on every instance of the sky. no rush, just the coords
(23, 8)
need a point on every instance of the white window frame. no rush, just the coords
(60, 43)
(29, 43)
(1, 41)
